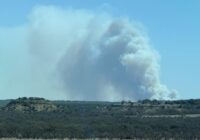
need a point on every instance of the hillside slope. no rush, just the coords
(30, 105)
(125, 120)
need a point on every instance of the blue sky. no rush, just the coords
(173, 27)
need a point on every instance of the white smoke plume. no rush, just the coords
(90, 56)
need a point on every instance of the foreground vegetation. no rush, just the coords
(39, 118)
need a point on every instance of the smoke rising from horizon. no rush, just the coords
(87, 56)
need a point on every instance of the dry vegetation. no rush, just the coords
(143, 120)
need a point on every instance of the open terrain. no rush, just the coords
(148, 119)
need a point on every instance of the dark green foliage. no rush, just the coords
(4, 102)
(105, 120)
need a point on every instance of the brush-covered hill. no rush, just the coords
(147, 119)
(4, 102)
(32, 104)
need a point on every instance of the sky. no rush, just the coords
(172, 27)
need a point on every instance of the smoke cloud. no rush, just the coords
(84, 55)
